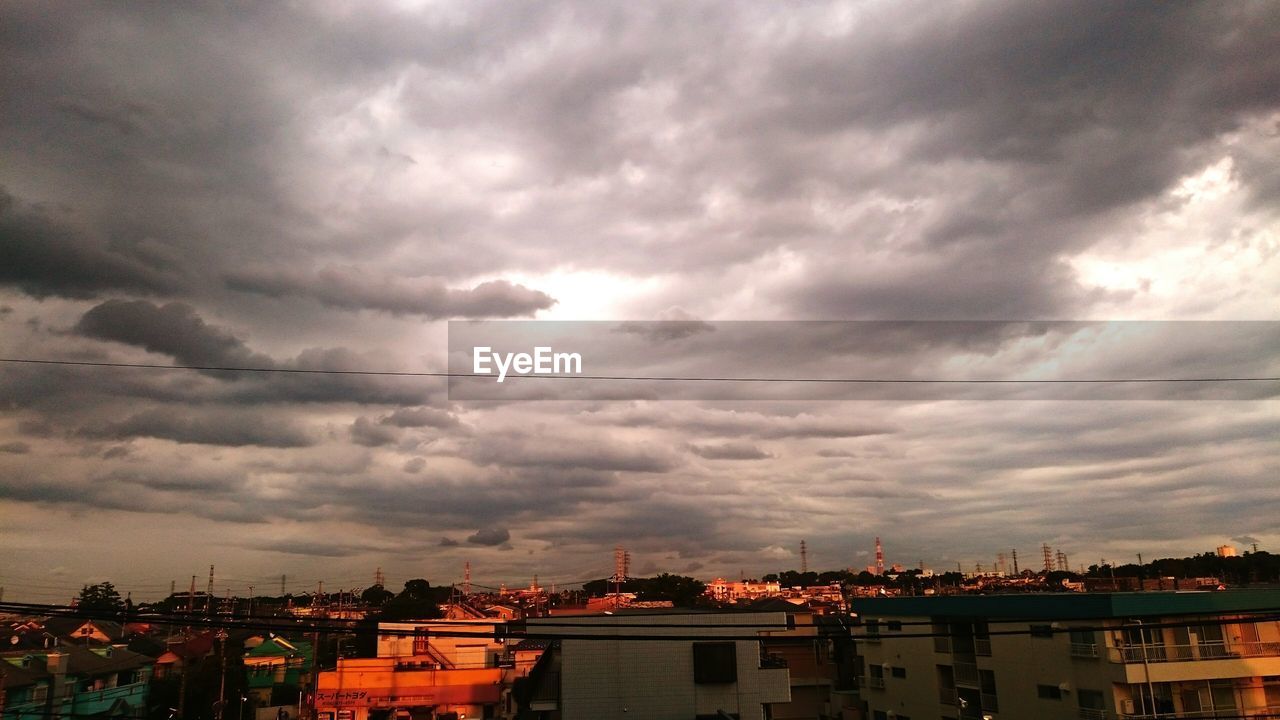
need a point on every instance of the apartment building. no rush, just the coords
(1136, 656)
(429, 669)
(693, 676)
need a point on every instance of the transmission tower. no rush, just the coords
(379, 579)
(1014, 553)
(879, 557)
(466, 578)
(804, 558)
(1048, 557)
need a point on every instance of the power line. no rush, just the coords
(643, 378)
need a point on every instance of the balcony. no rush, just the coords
(1084, 650)
(1091, 714)
(1188, 653)
(966, 673)
(1258, 713)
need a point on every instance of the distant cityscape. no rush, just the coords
(879, 642)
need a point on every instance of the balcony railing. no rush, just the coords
(1091, 714)
(1223, 714)
(1186, 653)
(1084, 650)
(966, 673)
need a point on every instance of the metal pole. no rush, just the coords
(1146, 666)
(222, 683)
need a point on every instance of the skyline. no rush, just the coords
(326, 186)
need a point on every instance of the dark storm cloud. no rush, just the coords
(351, 289)
(17, 448)
(314, 188)
(42, 256)
(370, 434)
(489, 536)
(204, 426)
(173, 329)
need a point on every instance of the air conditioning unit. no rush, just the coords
(1064, 687)
(1126, 707)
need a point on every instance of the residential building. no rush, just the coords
(75, 681)
(1080, 656)
(422, 670)
(611, 676)
(728, 591)
(277, 669)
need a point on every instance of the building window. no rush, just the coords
(1041, 631)
(1091, 700)
(1049, 692)
(715, 663)
(880, 715)
(895, 625)
(899, 672)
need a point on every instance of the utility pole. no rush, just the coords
(251, 601)
(186, 668)
(222, 683)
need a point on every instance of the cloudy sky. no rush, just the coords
(324, 185)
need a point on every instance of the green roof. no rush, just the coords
(280, 647)
(1070, 606)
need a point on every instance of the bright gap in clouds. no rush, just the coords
(593, 294)
(1196, 253)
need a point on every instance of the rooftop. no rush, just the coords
(1071, 606)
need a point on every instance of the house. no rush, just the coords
(277, 669)
(183, 653)
(76, 681)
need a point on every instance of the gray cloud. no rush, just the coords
(209, 426)
(16, 447)
(364, 432)
(44, 256)
(317, 188)
(730, 451)
(489, 536)
(420, 417)
(171, 329)
(351, 289)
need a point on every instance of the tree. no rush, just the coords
(103, 597)
(376, 596)
(417, 601)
